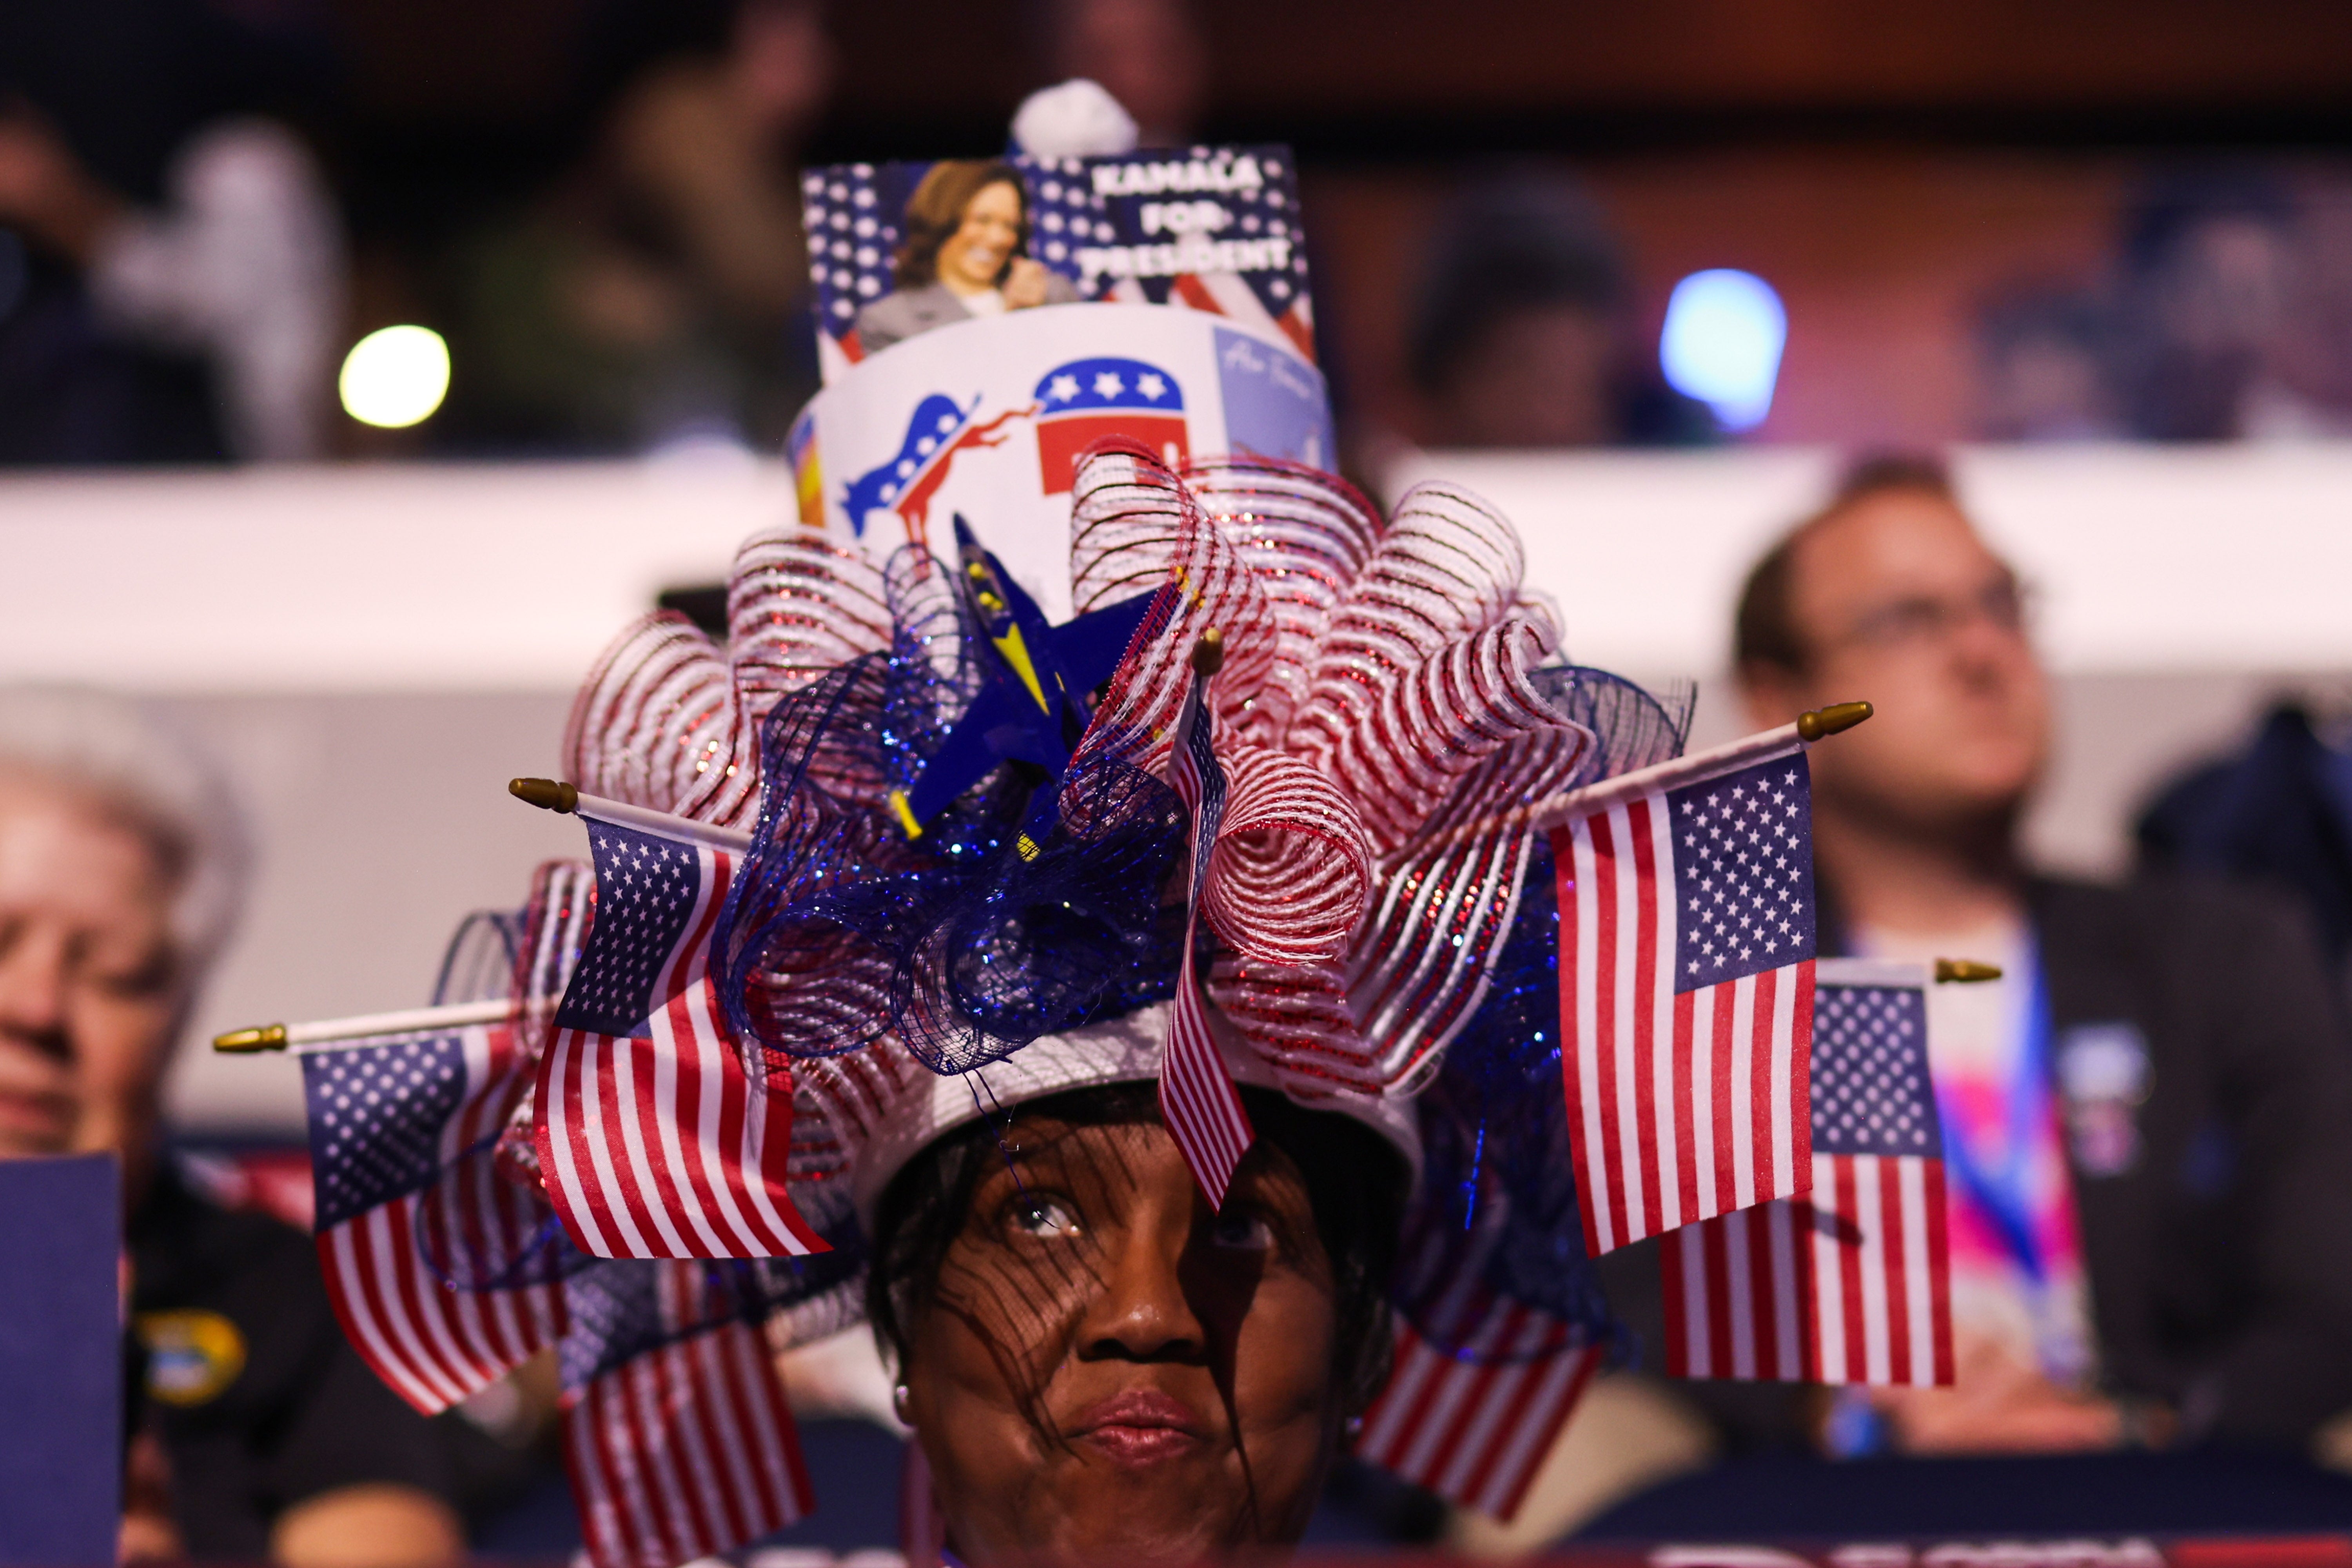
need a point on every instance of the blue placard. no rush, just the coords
(60, 1360)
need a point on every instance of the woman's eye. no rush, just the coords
(1034, 1215)
(137, 982)
(1243, 1230)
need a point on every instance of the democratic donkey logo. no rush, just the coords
(904, 487)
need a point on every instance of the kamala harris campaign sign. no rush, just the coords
(896, 249)
(986, 418)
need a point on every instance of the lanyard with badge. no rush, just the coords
(2004, 1194)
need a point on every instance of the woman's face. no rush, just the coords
(1111, 1373)
(975, 254)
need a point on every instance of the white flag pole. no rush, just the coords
(1552, 811)
(365, 1029)
(549, 795)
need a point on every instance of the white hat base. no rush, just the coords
(1122, 1050)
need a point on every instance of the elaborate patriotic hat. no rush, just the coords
(1383, 683)
(935, 913)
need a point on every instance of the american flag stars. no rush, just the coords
(851, 243)
(1872, 1094)
(647, 892)
(376, 1116)
(1742, 849)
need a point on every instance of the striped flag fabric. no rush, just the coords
(393, 1129)
(1474, 1428)
(677, 1436)
(1197, 1098)
(653, 1141)
(1850, 1284)
(1686, 976)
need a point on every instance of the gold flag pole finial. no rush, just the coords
(1964, 972)
(1835, 719)
(245, 1042)
(545, 793)
(1209, 652)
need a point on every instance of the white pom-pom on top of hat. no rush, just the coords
(1076, 119)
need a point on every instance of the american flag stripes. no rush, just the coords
(1474, 1428)
(1850, 1284)
(684, 1449)
(1685, 977)
(653, 1139)
(400, 1140)
(1197, 1098)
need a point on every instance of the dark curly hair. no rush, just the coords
(1356, 1183)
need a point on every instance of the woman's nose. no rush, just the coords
(32, 986)
(1142, 1312)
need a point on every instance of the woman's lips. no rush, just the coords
(1142, 1427)
(43, 1117)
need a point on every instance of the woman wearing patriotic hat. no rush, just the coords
(1181, 1073)
(1149, 1022)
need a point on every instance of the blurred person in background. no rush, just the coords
(2278, 811)
(171, 270)
(1148, 54)
(2219, 283)
(2151, 1189)
(121, 866)
(2042, 351)
(659, 294)
(1521, 333)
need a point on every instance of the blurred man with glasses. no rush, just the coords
(2148, 1120)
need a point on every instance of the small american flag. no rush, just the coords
(1197, 1098)
(1686, 978)
(1850, 1284)
(683, 1446)
(653, 1139)
(400, 1140)
(1474, 1428)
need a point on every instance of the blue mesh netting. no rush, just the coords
(1635, 726)
(1496, 1214)
(840, 927)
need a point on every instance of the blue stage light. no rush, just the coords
(1722, 343)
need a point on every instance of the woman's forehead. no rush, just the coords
(1123, 1146)
(997, 193)
(1123, 1152)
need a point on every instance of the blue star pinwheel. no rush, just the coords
(1033, 707)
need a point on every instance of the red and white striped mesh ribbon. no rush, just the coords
(1384, 676)
(1305, 536)
(1134, 527)
(667, 718)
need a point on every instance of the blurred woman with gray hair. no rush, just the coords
(122, 863)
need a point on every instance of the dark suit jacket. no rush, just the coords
(2220, 1258)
